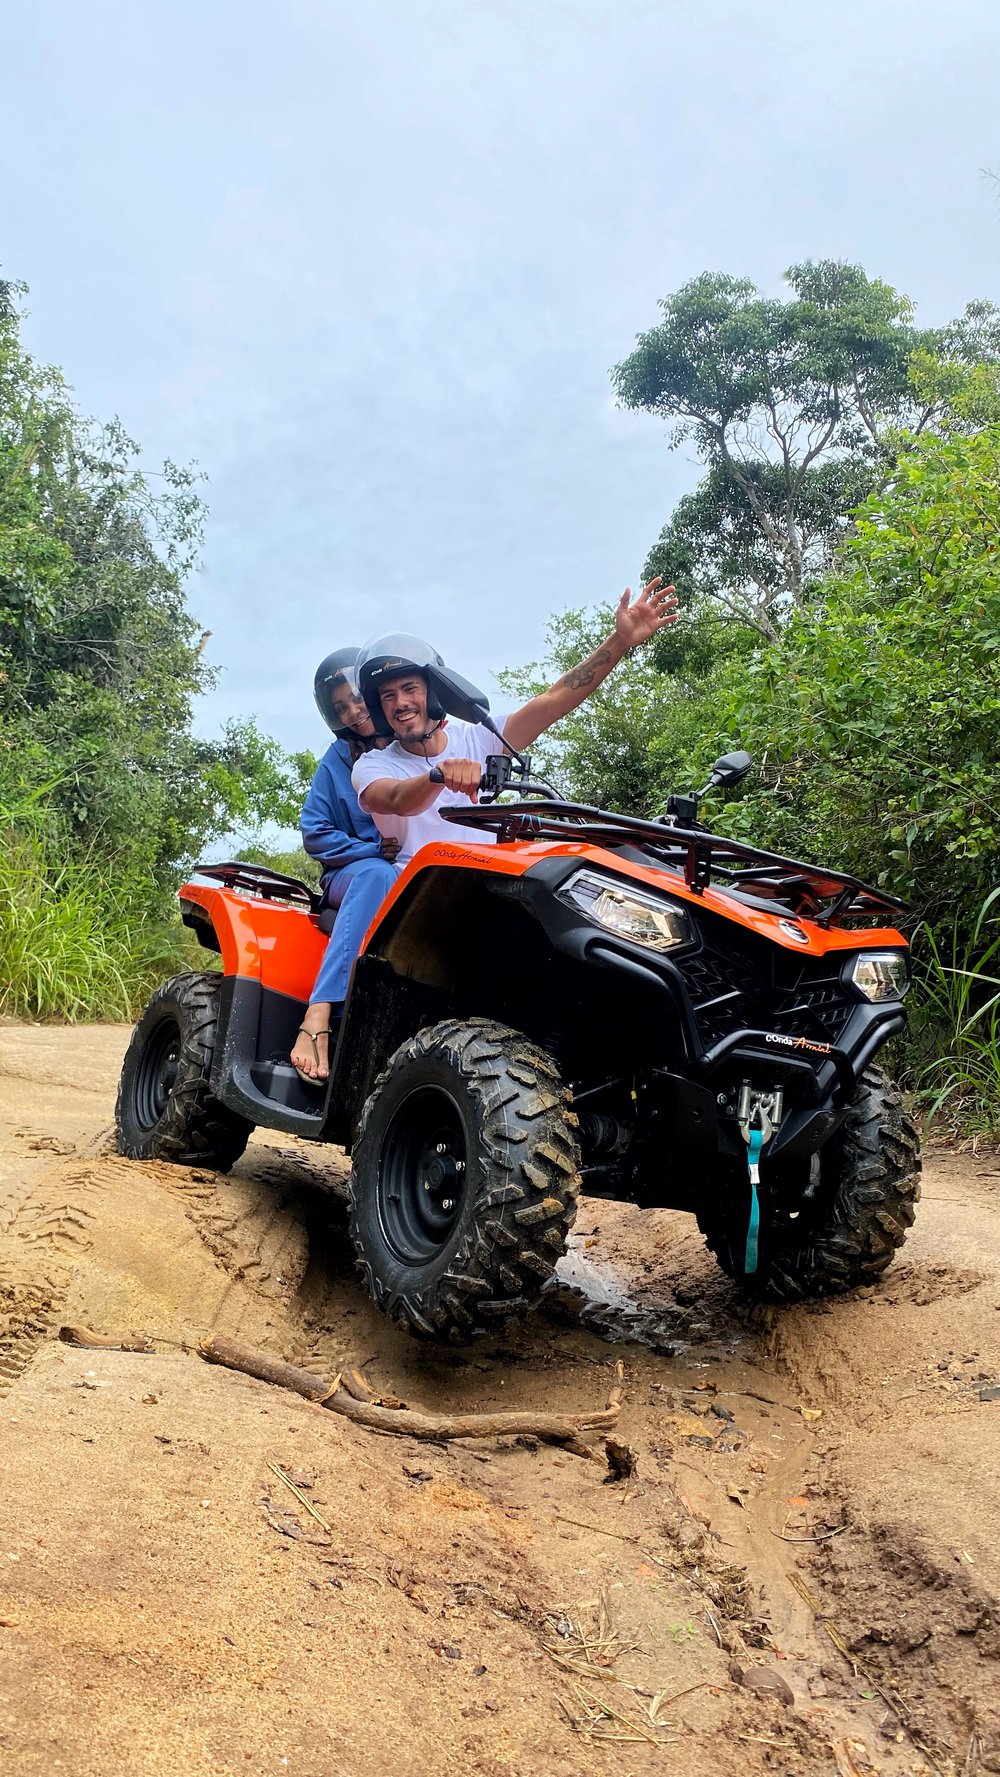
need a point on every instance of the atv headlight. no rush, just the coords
(627, 912)
(881, 974)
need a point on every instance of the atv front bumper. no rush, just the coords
(727, 1009)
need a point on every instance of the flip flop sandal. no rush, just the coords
(313, 1035)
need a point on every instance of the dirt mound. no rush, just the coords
(199, 1573)
(916, 1618)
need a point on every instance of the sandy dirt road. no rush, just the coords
(801, 1576)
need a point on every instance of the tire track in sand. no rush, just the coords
(45, 1230)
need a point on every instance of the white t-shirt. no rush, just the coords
(463, 740)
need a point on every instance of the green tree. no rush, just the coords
(789, 405)
(105, 790)
(100, 658)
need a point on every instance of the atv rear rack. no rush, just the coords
(262, 883)
(828, 897)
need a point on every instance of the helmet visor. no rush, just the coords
(346, 701)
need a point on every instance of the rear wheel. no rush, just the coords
(848, 1229)
(464, 1179)
(165, 1108)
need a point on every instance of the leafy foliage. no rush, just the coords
(104, 787)
(797, 409)
(876, 717)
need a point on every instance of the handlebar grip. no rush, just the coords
(436, 776)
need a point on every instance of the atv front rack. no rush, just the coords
(263, 884)
(828, 897)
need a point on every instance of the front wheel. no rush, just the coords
(165, 1108)
(464, 1179)
(846, 1228)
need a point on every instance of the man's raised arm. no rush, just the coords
(653, 610)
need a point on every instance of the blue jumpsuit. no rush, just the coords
(356, 878)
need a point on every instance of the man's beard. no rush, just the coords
(420, 739)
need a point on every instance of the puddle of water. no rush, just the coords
(600, 1299)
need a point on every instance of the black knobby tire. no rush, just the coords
(465, 1174)
(165, 1108)
(849, 1230)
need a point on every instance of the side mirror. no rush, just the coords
(730, 769)
(458, 697)
(682, 811)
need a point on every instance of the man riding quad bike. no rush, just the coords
(563, 998)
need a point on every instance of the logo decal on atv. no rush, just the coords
(793, 931)
(799, 1043)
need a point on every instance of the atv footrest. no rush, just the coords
(279, 1082)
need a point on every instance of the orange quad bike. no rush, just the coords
(569, 998)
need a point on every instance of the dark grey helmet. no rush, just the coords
(448, 694)
(338, 668)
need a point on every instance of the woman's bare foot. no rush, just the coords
(311, 1054)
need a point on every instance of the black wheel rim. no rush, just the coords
(422, 1176)
(157, 1073)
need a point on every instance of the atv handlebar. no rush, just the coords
(502, 773)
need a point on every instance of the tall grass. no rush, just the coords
(74, 943)
(960, 1007)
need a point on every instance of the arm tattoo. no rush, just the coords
(579, 678)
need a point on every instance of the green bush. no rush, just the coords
(875, 718)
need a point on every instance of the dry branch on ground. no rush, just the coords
(351, 1396)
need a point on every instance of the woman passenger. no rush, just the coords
(358, 868)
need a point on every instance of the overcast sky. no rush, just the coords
(369, 264)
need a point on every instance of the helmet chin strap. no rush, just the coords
(421, 739)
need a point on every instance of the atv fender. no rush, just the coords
(257, 940)
(271, 952)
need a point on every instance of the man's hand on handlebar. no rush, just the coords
(465, 776)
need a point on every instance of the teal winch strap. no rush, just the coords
(754, 1147)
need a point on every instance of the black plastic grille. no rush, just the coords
(720, 995)
(823, 1003)
(752, 985)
